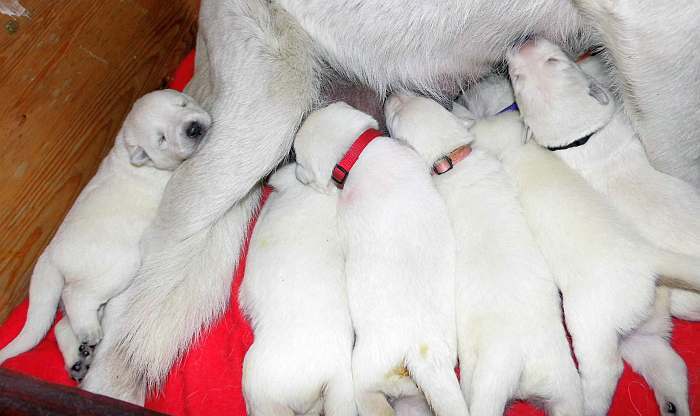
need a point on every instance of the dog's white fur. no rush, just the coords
(399, 267)
(511, 339)
(253, 50)
(95, 252)
(652, 54)
(604, 269)
(294, 296)
(664, 209)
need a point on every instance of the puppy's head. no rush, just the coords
(164, 128)
(487, 97)
(323, 139)
(425, 125)
(557, 100)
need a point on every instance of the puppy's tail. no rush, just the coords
(44, 294)
(678, 270)
(340, 394)
(436, 378)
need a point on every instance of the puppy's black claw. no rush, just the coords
(76, 367)
(85, 349)
(671, 408)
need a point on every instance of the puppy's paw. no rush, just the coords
(78, 370)
(85, 351)
(90, 336)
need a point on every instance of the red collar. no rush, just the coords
(342, 169)
(447, 162)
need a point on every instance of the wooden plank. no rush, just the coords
(24, 396)
(68, 76)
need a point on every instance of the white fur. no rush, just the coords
(399, 263)
(259, 69)
(604, 269)
(95, 252)
(294, 295)
(665, 210)
(511, 339)
(652, 52)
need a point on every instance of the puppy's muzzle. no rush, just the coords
(195, 130)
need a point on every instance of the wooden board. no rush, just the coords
(26, 396)
(68, 75)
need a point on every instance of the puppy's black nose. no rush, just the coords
(194, 130)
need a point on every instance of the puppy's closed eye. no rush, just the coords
(162, 141)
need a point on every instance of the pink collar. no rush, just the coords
(342, 169)
(447, 162)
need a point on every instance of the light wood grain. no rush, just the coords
(68, 76)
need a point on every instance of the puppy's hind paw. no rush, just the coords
(78, 370)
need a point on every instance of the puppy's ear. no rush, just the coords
(137, 156)
(597, 92)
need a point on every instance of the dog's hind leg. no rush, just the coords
(662, 368)
(82, 306)
(600, 363)
(468, 355)
(434, 373)
(556, 380)
(649, 353)
(339, 394)
(367, 379)
(69, 345)
(494, 382)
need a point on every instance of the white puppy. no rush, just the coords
(95, 252)
(607, 273)
(512, 342)
(399, 263)
(294, 295)
(552, 92)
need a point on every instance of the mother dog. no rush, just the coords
(261, 66)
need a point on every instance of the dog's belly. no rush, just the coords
(419, 44)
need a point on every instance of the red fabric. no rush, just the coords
(208, 379)
(342, 169)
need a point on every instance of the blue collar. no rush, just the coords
(512, 107)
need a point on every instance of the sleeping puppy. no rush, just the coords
(605, 270)
(95, 252)
(294, 296)
(551, 91)
(399, 266)
(511, 339)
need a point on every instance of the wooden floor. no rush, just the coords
(68, 76)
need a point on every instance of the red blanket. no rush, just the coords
(208, 379)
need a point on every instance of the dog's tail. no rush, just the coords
(436, 377)
(678, 270)
(340, 395)
(44, 293)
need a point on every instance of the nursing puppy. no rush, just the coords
(606, 272)
(551, 89)
(399, 267)
(294, 296)
(665, 209)
(95, 252)
(511, 340)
